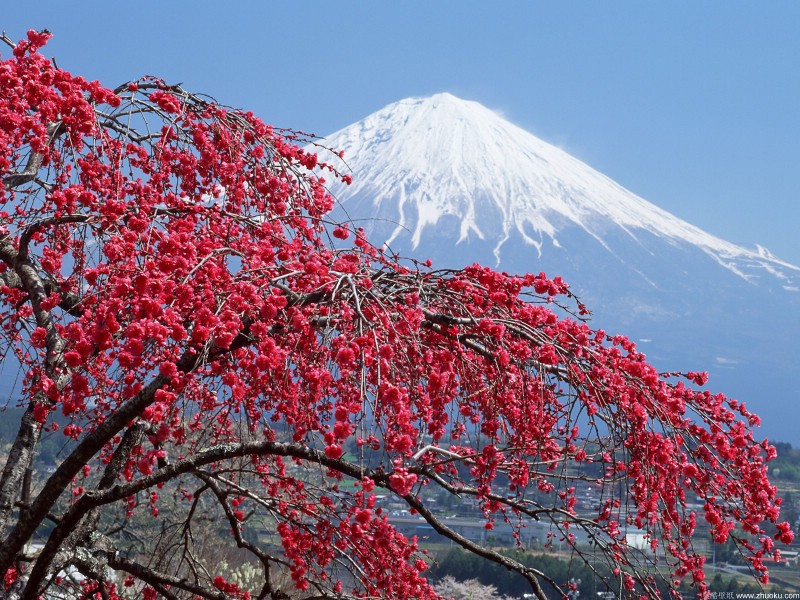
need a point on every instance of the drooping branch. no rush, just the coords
(528, 573)
(93, 499)
(265, 559)
(163, 581)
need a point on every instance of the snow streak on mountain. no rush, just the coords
(448, 179)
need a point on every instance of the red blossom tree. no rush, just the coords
(223, 361)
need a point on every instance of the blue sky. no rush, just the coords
(694, 106)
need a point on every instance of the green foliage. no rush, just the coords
(787, 464)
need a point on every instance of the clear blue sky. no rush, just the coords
(694, 106)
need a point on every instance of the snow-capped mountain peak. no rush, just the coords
(420, 160)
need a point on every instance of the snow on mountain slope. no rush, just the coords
(422, 159)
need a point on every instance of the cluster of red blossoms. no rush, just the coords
(172, 266)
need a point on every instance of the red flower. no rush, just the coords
(334, 451)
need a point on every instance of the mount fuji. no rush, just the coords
(448, 179)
